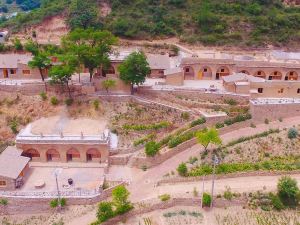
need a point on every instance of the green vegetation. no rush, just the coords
(206, 199)
(292, 133)
(43, 96)
(152, 148)
(3, 202)
(119, 205)
(96, 104)
(207, 137)
(54, 100)
(288, 191)
(274, 164)
(182, 169)
(198, 122)
(145, 139)
(213, 22)
(164, 197)
(108, 84)
(134, 69)
(55, 202)
(139, 127)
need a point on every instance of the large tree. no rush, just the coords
(91, 47)
(62, 73)
(207, 137)
(40, 59)
(134, 69)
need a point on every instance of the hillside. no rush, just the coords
(254, 23)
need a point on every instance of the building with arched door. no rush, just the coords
(89, 142)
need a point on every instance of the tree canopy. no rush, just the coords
(207, 137)
(134, 69)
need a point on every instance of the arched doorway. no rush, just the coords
(245, 72)
(292, 75)
(93, 155)
(276, 75)
(222, 71)
(205, 73)
(110, 70)
(189, 73)
(260, 74)
(72, 154)
(52, 155)
(31, 153)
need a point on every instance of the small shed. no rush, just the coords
(13, 167)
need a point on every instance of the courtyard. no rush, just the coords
(84, 179)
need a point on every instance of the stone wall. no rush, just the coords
(25, 89)
(261, 112)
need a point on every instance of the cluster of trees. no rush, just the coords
(119, 205)
(86, 48)
(252, 22)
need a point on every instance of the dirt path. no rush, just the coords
(143, 184)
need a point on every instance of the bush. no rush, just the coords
(276, 202)
(14, 126)
(228, 195)
(96, 104)
(185, 115)
(182, 169)
(120, 197)
(238, 118)
(105, 211)
(198, 122)
(267, 121)
(43, 96)
(230, 101)
(54, 100)
(69, 101)
(3, 202)
(154, 126)
(151, 148)
(164, 197)
(288, 191)
(206, 199)
(292, 133)
(219, 125)
(54, 203)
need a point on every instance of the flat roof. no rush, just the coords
(10, 61)
(12, 164)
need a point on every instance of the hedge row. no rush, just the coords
(275, 164)
(139, 127)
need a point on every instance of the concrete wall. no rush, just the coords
(274, 111)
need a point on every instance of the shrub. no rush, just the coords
(151, 148)
(228, 195)
(238, 118)
(142, 140)
(198, 122)
(206, 199)
(14, 125)
(69, 101)
(195, 192)
(105, 211)
(120, 200)
(43, 96)
(219, 125)
(230, 101)
(267, 121)
(54, 203)
(292, 133)
(185, 115)
(96, 104)
(276, 202)
(182, 169)
(178, 139)
(164, 197)
(288, 191)
(139, 127)
(3, 202)
(54, 100)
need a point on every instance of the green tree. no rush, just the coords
(40, 61)
(17, 44)
(288, 191)
(207, 137)
(105, 211)
(120, 200)
(134, 69)
(206, 199)
(182, 169)
(91, 47)
(151, 148)
(83, 14)
(107, 84)
(32, 47)
(62, 73)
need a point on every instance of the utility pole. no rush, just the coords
(215, 162)
(56, 173)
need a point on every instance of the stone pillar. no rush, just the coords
(63, 155)
(83, 157)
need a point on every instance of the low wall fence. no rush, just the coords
(29, 202)
(174, 202)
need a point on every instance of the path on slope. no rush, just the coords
(143, 184)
